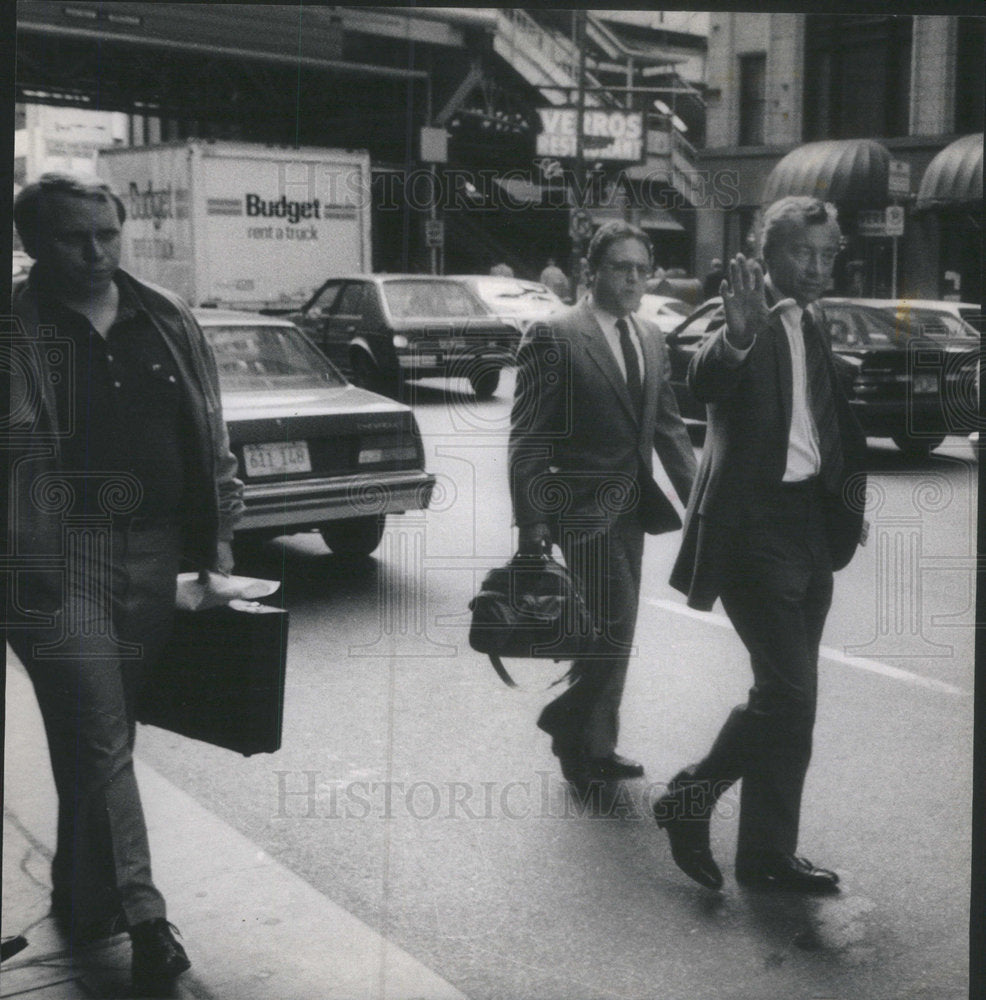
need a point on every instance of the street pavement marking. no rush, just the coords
(859, 662)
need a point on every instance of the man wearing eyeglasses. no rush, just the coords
(777, 507)
(592, 404)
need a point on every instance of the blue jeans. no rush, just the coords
(116, 614)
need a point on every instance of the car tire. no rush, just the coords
(367, 375)
(356, 536)
(920, 447)
(484, 383)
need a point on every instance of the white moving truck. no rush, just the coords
(241, 226)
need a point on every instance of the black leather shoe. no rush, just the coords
(787, 873)
(689, 836)
(157, 959)
(614, 767)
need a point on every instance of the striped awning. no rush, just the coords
(955, 176)
(850, 172)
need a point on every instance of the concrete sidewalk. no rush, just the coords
(253, 929)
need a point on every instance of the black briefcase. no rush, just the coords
(220, 678)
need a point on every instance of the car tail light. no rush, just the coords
(386, 449)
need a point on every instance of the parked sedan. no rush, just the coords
(916, 369)
(314, 451)
(386, 328)
(516, 301)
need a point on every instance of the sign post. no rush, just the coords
(434, 150)
(898, 186)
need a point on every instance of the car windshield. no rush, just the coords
(430, 300)
(938, 324)
(268, 357)
(856, 325)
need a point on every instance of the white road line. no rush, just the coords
(859, 662)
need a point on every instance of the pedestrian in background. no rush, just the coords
(593, 402)
(502, 271)
(766, 527)
(127, 428)
(710, 287)
(554, 277)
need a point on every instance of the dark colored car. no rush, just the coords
(385, 328)
(314, 451)
(916, 368)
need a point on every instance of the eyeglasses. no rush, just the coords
(628, 269)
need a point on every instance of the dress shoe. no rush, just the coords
(787, 873)
(614, 767)
(689, 835)
(157, 959)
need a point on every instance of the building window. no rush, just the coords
(857, 76)
(753, 98)
(970, 80)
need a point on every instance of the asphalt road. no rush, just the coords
(415, 790)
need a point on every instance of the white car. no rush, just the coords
(968, 312)
(516, 301)
(664, 311)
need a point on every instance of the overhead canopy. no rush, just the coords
(955, 176)
(521, 190)
(659, 218)
(850, 172)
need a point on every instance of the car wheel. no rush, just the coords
(367, 375)
(357, 536)
(484, 383)
(920, 447)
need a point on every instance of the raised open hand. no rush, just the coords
(743, 298)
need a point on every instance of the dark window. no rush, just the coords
(351, 300)
(323, 302)
(970, 80)
(857, 76)
(753, 99)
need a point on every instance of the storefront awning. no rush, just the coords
(851, 172)
(955, 176)
(659, 218)
(523, 191)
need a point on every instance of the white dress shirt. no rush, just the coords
(803, 454)
(607, 321)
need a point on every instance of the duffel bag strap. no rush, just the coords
(501, 670)
(504, 675)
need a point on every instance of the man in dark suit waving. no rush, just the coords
(592, 404)
(772, 515)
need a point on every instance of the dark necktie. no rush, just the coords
(632, 367)
(822, 403)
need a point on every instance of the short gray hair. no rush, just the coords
(30, 200)
(792, 209)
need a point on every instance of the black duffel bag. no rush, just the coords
(530, 608)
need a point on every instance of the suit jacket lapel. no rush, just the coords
(598, 350)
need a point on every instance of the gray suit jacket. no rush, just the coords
(577, 451)
(745, 454)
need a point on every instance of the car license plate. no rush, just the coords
(426, 360)
(925, 383)
(276, 458)
(449, 345)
